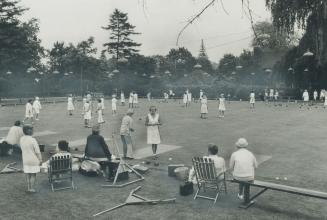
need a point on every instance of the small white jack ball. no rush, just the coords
(170, 158)
(277, 178)
(285, 178)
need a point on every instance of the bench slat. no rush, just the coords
(289, 189)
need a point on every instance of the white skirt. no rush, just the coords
(70, 106)
(87, 115)
(222, 107)
(31, 169)
(100, 118)
(204, 109)
(252, 100)
(114, 107)
(153, 136)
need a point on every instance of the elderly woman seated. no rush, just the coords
(11, 141)
(217, 160)
(97, 150)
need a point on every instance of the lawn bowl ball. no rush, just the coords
(277, 178)
(285, 178)
(140, 119)
(170, 158)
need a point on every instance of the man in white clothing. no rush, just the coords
(29, 114)
(37, 107)
(125, 134)
(243, 164)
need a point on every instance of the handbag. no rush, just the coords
(186, 188)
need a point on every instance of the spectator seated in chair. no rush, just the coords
(97, 150)
(218, 161)
(62, 149)
(11, 142)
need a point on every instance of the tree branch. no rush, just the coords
(193, 19)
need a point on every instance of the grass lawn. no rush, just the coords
(294, 138)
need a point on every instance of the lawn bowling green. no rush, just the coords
(290, 143)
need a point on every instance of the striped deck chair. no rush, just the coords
(206, 176)
(60, 170)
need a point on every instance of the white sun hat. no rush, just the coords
(241, 143)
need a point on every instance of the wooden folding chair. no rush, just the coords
(207, 177)
(60, 169)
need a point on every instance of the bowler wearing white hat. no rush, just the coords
(243, 164)
(36, 108)
(221, 106)
(114, 104)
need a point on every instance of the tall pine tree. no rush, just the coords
(120, 44)
(203, 59)
(202, 52)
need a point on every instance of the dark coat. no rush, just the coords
(96, 147)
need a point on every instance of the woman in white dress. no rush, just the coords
(36, 108)
(148, 95)
(204, 106)
(70, 105)
(87, 114)
(252, 99)
(99, 111)
(305, 97)
(315, 95)
(152, 123)
(114, 104)
(122, 98)
(29, 112)
(102, 104)
(221, 106)
(166, 97)
(322, 95)
(83, 101)
(135, 100)
(130, 100)
(32, 158)
(189, 98)
(185, 99)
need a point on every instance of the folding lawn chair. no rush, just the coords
(60, 170)
(206, 176)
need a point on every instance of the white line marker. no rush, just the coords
(43, 133)
(79, 142)
(147, 151)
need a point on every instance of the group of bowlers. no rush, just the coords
(32, 110)
(315, 98)
(152, 121)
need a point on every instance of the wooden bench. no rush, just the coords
(248, 201)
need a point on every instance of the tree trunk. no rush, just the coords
(321, 40)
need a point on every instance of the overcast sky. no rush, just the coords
(159, 21)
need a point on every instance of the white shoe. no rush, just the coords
(241, 197)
